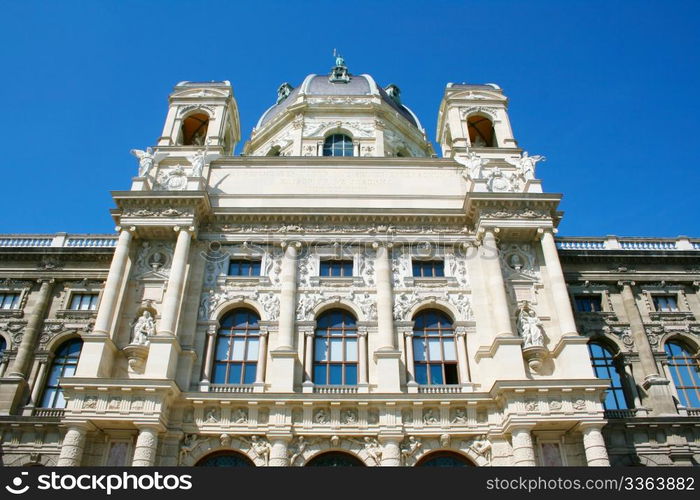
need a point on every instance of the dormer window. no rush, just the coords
(338, 145)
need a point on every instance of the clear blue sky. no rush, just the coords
(607, 90)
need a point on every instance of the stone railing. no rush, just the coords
(48, 412)
(58, 240)
(335, 389)
(230, 388)
(439, 389)
(625, 243)
(613, 414)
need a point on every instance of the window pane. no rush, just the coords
(336, 349)
(69, 371)
(320, 353)
(75, 301)
(47, 400)
(449, 348)
(419, 349)
(253, 348)
(222, 348)
(350, 374)
(335, 375)
(60, 400)
(234, 373)
(451, 376)
(250, 370)
(238, 353)
(320, 374)
(422, 374)
(434, 351)
(219, 373)
(350, 350)
(436, 374)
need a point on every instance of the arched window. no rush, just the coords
(335, 349)
(434, 352)
(334, 459)
(3, 345)
(237, 346)
(226, 459)
(444, 459)
(684, 370)
(194, 130)
(64, 363)
(337, 145)
(605, 366)
(481, 133)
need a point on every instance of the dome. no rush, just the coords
(325, 85)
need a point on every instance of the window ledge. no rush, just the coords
(243, 280)
(437, 282)
(11, 313)
(671, 316)
(332, 281)
(76, 314)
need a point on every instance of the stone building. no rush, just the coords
(338, 294)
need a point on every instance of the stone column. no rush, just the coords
(560, 293)
(72, 447)
(462, 361)
(39, 381)
(630, 383)
(594, 444)
(385, 301)
(279, 456)
(491, 265)
(145, 449)
(309, 355)
(164, 347)
(656, 385)
(362, 357)
(25, 352)
(112, 288)
(208, 362)
(523, 450)
(262, 359)
(176, 283)
(386, 356)
(410, 358)
(284, 356)
(288, 296)
(391, 451)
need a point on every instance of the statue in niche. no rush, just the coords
(198, 138)
(460, 417)
(144, 328)
(212, 416)
(530, 328)
(240, 417)
(197, 161)
(145, 160)
(156, 261)
(321, 417)
(429, 417)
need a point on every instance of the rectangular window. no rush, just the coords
(83, 302)
(9, 300)
(428, 268)
(588, 303)
(665, 303)
(244, 267)
(341, 268)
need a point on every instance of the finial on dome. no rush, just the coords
(283, 91)
(339, 72)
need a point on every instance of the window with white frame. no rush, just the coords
(9, 300)
(83, 301)
(665, 302)
(335, 267)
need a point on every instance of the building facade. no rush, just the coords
(340, 295)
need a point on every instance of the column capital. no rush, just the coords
(50, 281)
(187, 229)
(212, 329)
(128, 229)
(624, 283)
(291, 243)
(362, 332)
(541, 231)
(385, 244)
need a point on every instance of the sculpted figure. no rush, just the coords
(474, 165)
(145, 160)
(261, 448)
(530, 328)
(526, 165)
(297, 450)
(410, 449)
(143, 329)
(188, 444)
(197, 161)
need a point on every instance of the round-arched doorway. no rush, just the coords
(335, 459)
(444, 459)
(225, 459)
